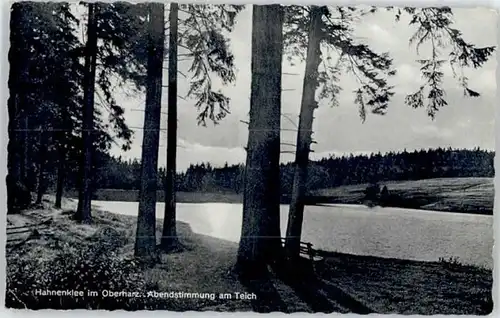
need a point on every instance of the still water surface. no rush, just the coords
(385, 232)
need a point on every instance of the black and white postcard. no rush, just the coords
(250, 158)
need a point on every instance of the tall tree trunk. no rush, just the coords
(307, 107)
(169, 235)
(85, 195)
(145, 243)
(25, 152)
(42, 157)
(260, 243)
(60, 178)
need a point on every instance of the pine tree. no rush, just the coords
(371, 70)
(120, 28)
(46, 31)
(304, 136)
(260, 242)
(52, 92)
(169, 234)
(207, 46)
(83, 212)
(145, 244)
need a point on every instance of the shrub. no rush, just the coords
(93, 267)
(372, 192)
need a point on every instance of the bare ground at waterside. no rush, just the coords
(66, 255)
(467, 195)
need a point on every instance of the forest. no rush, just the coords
(117, 173)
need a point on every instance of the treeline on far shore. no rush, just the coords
(181, 196)
(331, 172)
(119, 179)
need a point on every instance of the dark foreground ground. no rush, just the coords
(98, 257)
(468, 195)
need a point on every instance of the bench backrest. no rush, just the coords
(305, 248)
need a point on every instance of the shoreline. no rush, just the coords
(54, 257)
(229, 200)
(455, 195)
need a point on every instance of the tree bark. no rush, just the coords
(169, 235)
(145, 243)
(42, 157)
(60, 178)
(25, 153)
(83, 213)
(307, 107)
(260, 243)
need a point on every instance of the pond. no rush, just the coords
(384, 232)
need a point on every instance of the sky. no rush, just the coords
(465, 123)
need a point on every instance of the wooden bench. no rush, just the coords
(306, 250)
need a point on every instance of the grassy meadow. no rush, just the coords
(468, 195)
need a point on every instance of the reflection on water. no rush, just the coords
(386, 232)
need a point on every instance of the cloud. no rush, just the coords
(464, 123)
(485, 81)
(217, 156)
(408, 73)
(381, 34)
(432, 131)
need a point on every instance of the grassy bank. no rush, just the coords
(99, 257)
(66, 255)
(468, 195)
